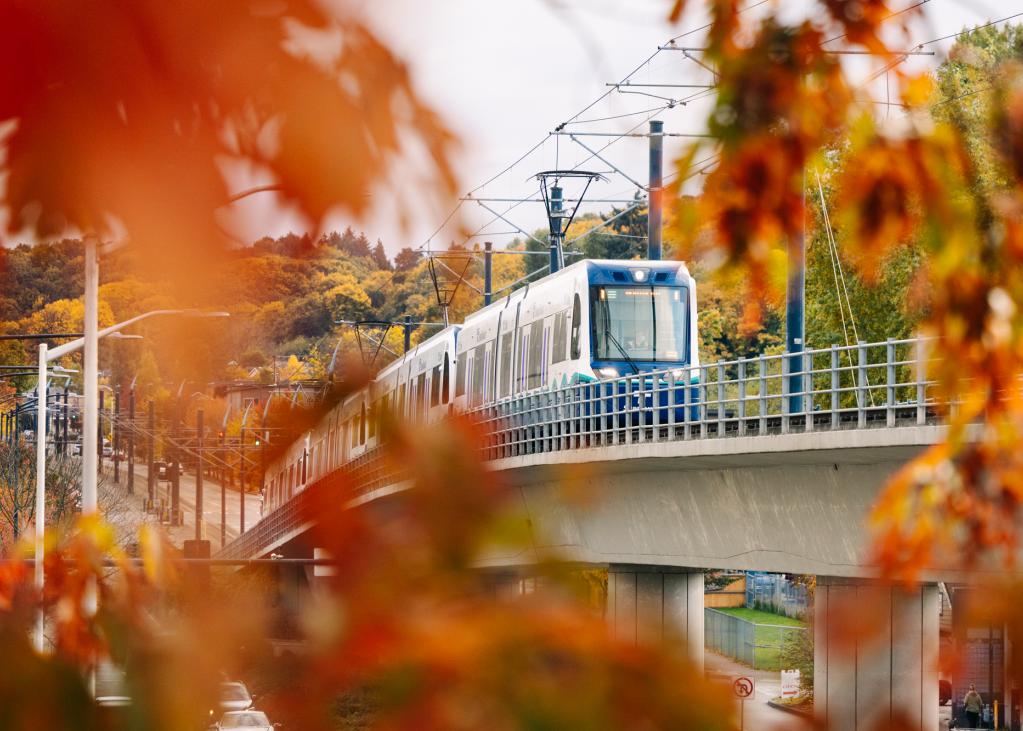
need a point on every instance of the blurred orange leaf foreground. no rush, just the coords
(405, 619)
(784, 108)
(127, 117)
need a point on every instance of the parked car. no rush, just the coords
(252, 720)
(108, 451)
(234, 696)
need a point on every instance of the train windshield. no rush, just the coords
(640, 323)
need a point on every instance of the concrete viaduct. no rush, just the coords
(690, 481)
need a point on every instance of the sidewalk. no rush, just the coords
(757, 715)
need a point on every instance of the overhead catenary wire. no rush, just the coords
(575, 117)
(649, 113)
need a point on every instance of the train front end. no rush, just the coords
(643, 335)
(642, 317)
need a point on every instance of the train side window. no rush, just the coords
(460, 373)
(435, 386)
(506, 363)
(560, 343)
(478, 363)
(576, 317)
(446, 384)
(420, 394)
(488, 380)
(520, 381)
(536, 353)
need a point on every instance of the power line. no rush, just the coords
(887, 17)
(963, 32)
(573, 119)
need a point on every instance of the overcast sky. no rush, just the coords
(505, 73)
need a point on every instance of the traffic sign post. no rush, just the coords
(743, 688)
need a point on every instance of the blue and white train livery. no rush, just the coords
(593, 320)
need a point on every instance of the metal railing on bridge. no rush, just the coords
(841, 387)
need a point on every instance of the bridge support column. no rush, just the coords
(657, 604)
(875, 654)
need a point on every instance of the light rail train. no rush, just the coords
(593, 320)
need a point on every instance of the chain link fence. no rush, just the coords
(757, 645)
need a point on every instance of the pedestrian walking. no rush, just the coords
(973, 704)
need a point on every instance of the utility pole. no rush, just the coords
(151, 453)
(223, 498)
(99, 430)
(654, 207)
(241, 476)
(488, 269)
(198, 475)
(408, 332)
(115, 428)
(175, 472)
(795, 318)
(131, 440)
(64, 441)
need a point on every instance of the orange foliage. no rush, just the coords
(406, 615)
(131, 112)
(781, 103)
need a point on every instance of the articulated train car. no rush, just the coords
(593, 320)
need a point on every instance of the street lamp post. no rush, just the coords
(90, 419)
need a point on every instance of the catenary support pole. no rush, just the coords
(66, 419)
(488, 270)
(241, 477)
(99, 427)
(557, 208)
(408, 332)
(198, 475)
(131, 441)
(115, 433)
(223, 506)
(40, 491)
(654, 207)
(795, 315)
(151, 453)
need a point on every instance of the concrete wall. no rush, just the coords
(875, 655)
(651, 604)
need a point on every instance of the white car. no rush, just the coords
(252, 720)
(234, 696)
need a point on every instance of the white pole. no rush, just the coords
(40, 492)
(90, 386)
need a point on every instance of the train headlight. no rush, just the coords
(639, 275)
(608, 372)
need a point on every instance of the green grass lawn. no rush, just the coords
(768, 637)
(757, 616)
